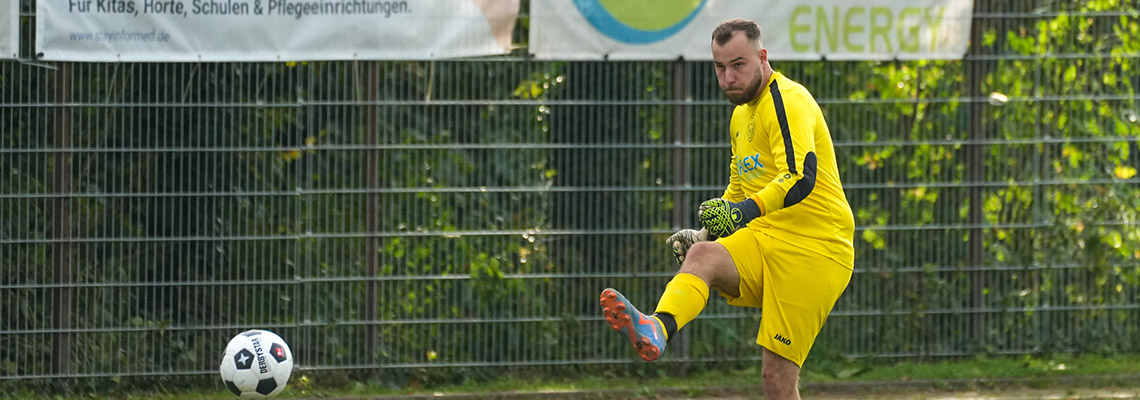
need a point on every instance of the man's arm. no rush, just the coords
(792, 138)
(790, 125)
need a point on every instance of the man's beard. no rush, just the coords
(749, 93)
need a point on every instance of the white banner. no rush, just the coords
(272, 30)
(800, 30)
(9, 28)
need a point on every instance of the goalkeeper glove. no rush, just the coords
(682, 240)
(722, 217)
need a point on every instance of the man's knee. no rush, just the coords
(712, 263)
(706, 253)
(705, 260)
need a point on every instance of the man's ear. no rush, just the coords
(763, 54)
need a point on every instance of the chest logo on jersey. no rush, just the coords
(748, 164)
(751, 128)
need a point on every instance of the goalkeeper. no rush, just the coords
(781, 234)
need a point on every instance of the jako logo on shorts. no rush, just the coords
(782, 339)
(639, 21)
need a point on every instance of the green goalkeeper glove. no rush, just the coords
(681, 241)
(722, 217)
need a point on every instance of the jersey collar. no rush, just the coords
(764, 91)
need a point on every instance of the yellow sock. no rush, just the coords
(684, 298)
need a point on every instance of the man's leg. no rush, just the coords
(800, 288)
(684, 298)
(706, 264)
(781, 377)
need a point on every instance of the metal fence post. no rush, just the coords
(682, 208)
(372, 242)
(975, 157)
(61, 225)
(679, 126)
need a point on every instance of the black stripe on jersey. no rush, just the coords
(803, 187)
(782, 116)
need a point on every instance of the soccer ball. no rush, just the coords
(257, 364)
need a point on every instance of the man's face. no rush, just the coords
(738, 68)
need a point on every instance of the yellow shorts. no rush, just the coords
(795, 288)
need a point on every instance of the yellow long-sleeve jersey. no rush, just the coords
(783, 158)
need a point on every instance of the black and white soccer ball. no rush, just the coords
(257, 364)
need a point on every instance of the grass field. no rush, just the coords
(1053, 377)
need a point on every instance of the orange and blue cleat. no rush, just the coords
(646, 333)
